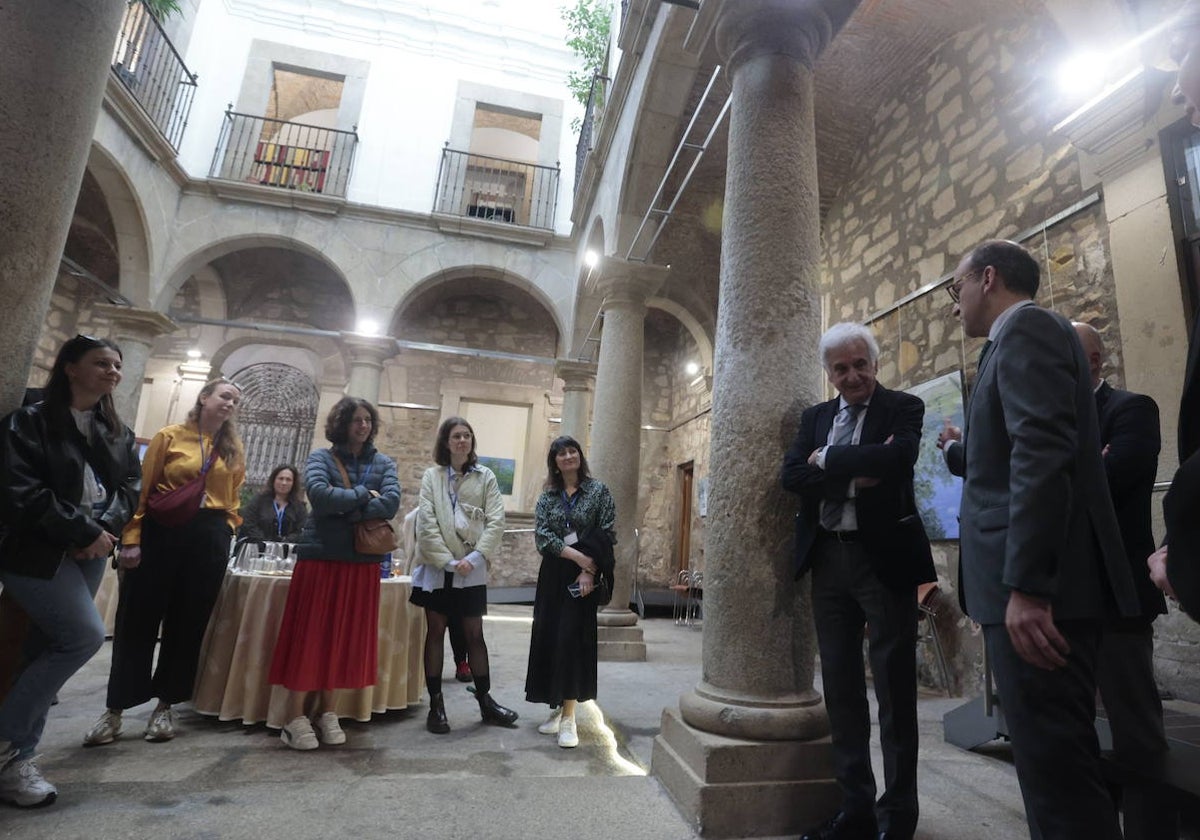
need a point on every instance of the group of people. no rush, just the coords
(1056, 554)
(75, 497)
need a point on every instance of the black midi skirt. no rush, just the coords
(562, 650)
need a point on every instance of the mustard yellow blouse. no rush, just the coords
(172, 460)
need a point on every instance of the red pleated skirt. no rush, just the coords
(329, 637)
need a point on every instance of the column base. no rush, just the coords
(620, 644)
(728, 787)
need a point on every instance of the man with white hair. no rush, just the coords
(859, 532)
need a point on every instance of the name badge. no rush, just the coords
(571, 538)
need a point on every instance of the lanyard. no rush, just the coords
(279, 511)
(450, 488)
(568, 503)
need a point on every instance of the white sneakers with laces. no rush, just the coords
(161, 726)
(105, 730)
(22, 784)
(550, 727)
(568, 736)
(329, 731)
(299, 734)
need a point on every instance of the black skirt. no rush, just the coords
(464, 602)
(562, 650)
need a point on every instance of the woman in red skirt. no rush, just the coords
(328, 639)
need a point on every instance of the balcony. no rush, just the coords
(303, 160)
(496, 191)
(148, 67)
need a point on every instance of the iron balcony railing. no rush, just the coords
(282, 154)
(146, 63)
(485, 187)
(587, 128)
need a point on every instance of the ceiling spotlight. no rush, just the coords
(195, 353)
(1082, 74)
(366, 326)
(691, 368)
(591, 259)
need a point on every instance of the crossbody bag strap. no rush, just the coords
(342, 469)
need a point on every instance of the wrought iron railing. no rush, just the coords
(146, 63)
(485, 187)
(587, 128)
(282, 154)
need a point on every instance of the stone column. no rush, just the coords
(615, 456)
(749, 753)
(134, 330)
(578, 379)
(367, 355)
(54, 63)
(192, 378)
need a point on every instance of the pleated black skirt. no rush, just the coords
(562, 650)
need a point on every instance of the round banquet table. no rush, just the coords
(231, 682)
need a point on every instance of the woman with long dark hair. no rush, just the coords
(329, 635)
(173, 573)
(461, 523)
(69, 482)
(277, 514)
(574, 512)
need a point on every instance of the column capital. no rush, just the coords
(371, 350)
(576, 375)
(751, 28)
(139, 324)
(627, 281)
(195, 371)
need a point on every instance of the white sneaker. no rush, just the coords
(329, 731)
(550, 727)
(299, 734)
(161, 726)
(567, 736)
(23, 785)
(105, 730)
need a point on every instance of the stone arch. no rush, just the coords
(197, 259)
(703, 342)
(134, 248)
(486, 272)
(323, 359)
(276, 418)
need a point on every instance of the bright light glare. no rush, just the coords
(591, 258)
(368, 327)
(691, 368)
(195, 353)
(1082, 74)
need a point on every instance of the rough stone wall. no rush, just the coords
(967, 154)
(70, 313)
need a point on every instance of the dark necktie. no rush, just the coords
(843, 435)
(983, 351)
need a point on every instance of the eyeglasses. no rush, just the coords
(955, 288)
(90, 339)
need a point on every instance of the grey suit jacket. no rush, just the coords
(1036, 513)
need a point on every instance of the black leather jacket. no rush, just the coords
(41, 480)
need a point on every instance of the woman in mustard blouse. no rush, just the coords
(172, 575)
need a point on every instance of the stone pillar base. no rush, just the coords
(620, 644)
(727, 787)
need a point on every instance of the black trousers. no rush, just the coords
(174, 588)
(1051, 723)
(848, 596)
(1125, 676)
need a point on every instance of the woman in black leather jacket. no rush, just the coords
(69, 481)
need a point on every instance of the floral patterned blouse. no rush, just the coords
(592, 506)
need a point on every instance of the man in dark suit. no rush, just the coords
(859, 532)
(1041, 563)
(1130, 441)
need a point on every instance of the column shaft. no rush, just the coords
(54, 60)
(577, 378)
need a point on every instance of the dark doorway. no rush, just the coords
(684, 522)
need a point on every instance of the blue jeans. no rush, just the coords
(68, 632)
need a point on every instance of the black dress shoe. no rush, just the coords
(844, 826)
(493, 713)
(894, 835)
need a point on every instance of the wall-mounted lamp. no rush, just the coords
(691, 368)
(591, 259)
(367, 326)
(195, 353)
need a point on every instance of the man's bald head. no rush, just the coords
(1093, 348)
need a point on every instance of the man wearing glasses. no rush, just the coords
(1041, 562)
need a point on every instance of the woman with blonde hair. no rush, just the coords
(173, 572)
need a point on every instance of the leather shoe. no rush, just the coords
(843, 826)
(436, 721)
(495, 714)
(893, 835)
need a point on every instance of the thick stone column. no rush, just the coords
(578, 379)
(749, 753)
(615, 456)
(134, 330)
(192, 378)
(54, 64)
(367, 355)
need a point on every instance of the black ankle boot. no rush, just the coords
(436, 721)
(493, 713)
